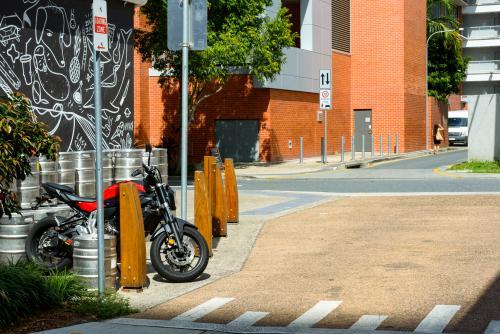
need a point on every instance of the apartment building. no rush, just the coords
(481, 89)
(376, 50)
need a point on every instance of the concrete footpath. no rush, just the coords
(314, 164)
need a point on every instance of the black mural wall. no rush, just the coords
(46, 52)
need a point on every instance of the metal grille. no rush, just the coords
(341, 25)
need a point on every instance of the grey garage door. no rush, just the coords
(238, 139)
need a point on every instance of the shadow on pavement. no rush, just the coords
(486, 309)
(202, 277)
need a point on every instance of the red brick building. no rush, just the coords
(377, 56)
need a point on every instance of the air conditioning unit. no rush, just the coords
(319, 116)
(137, 2)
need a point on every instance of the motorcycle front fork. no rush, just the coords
(171, 223)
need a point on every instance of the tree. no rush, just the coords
(21, 138)
(240, 38)
(447, 66)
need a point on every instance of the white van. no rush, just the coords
(458, 129)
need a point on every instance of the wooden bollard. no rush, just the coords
(207, 163)
(218, 203)
(132, 242)
(231, 192)
(202, 217)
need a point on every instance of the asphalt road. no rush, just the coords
(399, 176)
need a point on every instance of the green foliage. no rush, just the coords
(447, 67)
(21, 137)
(24, 289)
(65, 286)
(112, 305)
(478, 166)
(240, 38)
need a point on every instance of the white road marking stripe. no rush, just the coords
(315, 314)
(493, 327)
(369, 322)
(437, 319)
(247, 319)
(203, 309)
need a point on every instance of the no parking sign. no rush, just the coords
(100, 15)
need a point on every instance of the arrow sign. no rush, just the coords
(325, 84)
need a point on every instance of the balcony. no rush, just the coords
(481, 7)
(483, 32)
(483, 36)
(487, 70)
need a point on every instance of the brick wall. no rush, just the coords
(341, 99)
(388, 68)
(414, 75)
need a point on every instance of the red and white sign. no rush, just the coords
(325, 99)
(100, 17)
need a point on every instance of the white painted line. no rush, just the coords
(315, 314)
(203, 309)
(493, 327)
(437, 319)
(368, 322)
(247, 319)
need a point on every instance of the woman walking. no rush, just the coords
(438, 137)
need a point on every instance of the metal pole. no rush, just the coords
(397, 143)
(326, 140)
(363, 147)
(389, 145)
(342, 143)
(353, 150)
(373, 147)
(185, 85)
(381, 146)
(427, 95)
(323, 150)
(301, 150)
(98, 176)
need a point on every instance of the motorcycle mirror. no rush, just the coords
(136, 173)
(149, 149)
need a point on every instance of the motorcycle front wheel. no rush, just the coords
(180, 267)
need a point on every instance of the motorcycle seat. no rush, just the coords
(59, 187)
(75, 198)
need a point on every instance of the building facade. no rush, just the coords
(481, 89)
(376, 50)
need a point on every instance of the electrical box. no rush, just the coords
(319, 116)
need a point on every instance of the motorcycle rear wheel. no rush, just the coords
(33, 253)
(176, 267)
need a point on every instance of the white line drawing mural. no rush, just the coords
(51, 61)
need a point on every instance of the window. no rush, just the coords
(293, 7)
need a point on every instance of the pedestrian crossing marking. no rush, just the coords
(437, 319)
(203, 309)
(369, 322)
(315, 314)
(247, 319)
(493, 327)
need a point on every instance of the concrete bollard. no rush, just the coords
(342, 148)
(363, 147)
(301, 158)
(353, 149)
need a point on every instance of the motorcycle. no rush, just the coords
(178, 252)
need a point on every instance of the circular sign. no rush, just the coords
(325, 94)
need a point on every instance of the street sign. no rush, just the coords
(325, 79)
(100, 15)
(325, 99)
(197, 25)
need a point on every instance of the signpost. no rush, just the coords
(100, 28)
(325, 103)
(194, 37)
